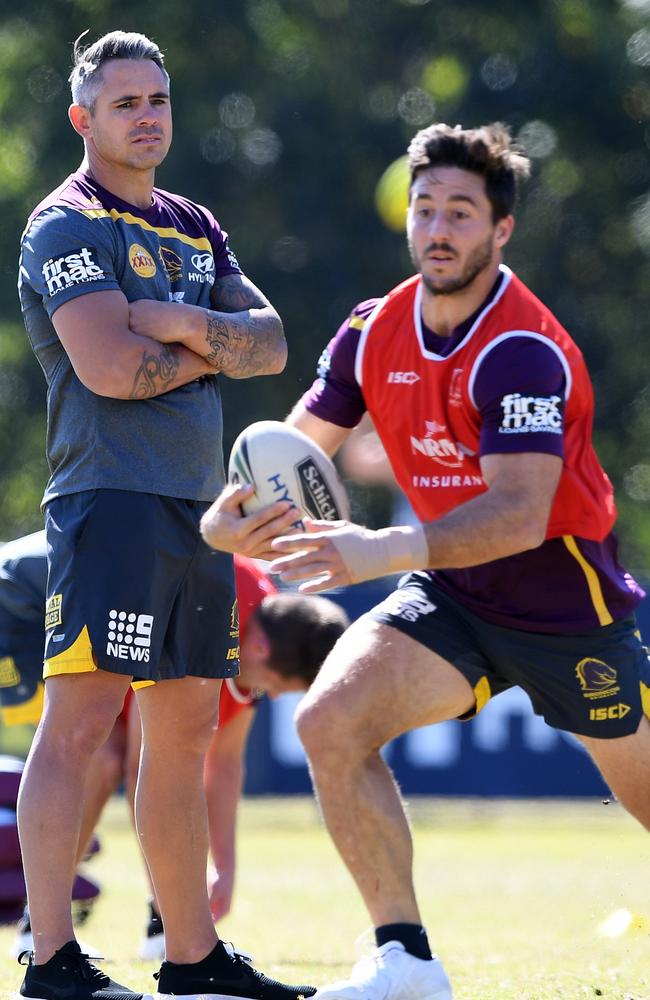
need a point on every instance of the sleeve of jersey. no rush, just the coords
(64, 255)
(519, 390)
(335, 395)
(225, 260)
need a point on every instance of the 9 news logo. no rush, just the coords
(129, 635)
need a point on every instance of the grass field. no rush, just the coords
(512, 895)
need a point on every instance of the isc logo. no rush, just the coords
(611, 712)
(403, 378)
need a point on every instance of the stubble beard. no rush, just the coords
(478, 261)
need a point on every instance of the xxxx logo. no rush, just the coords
(141, 261)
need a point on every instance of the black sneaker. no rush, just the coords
(223, 973)
(69, 975)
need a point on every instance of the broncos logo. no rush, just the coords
(596, 678)
(234, 621)
(172, 263)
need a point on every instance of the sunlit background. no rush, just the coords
(291, 121)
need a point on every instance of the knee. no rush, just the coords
(76, 739)
(186, 737)
(323, 729)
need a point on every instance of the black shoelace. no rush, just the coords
(81, 964)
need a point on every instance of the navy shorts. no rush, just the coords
(134, 589)
(596, 683)
(21, 671)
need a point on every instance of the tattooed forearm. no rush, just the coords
(235, 292)
(156, 373)
(244, 334)
(245, 344)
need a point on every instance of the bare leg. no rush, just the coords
(625, 766)
(79, 713)
(376, 684)
(132, 754)
(103, 779)
(178, 719)
(132, 767)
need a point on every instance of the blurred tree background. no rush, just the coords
(288, 113)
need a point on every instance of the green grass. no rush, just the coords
(512, 894)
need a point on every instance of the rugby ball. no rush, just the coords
(282, 463)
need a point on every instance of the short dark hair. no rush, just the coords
(301, 631)
(489, 151)
(86, 75)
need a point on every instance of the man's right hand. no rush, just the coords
(224, 526)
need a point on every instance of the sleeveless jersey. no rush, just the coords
(423, 407)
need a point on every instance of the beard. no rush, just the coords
(478, 261)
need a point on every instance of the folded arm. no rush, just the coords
(241, 336)
(111, 360)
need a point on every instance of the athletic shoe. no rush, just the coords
(69, 975)
(152, 946)
(24, 939)
(224, 973)
(390, 973)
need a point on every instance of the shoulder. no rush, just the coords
(67, 217)
(348, 334)
(74, 197)
(192, 211)
(26, 556)
(518, 308)
(361, 313)
(521, 361)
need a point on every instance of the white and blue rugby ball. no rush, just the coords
(282, 463)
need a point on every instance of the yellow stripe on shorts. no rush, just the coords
(76, 659)
(645, 699)
(27, 714)
(482, 693)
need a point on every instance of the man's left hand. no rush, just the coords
(313, 555)
(337, 553)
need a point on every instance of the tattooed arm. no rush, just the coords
(244, 331)
(241, 336)
(111, 360)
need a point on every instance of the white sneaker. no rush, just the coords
(390, 973)
(152, 947)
